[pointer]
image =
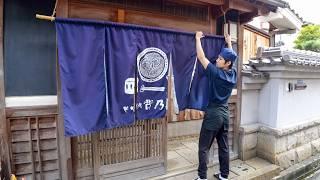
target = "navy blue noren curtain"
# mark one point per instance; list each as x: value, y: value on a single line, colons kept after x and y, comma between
x: 113, y: 74
x: 81, y: 54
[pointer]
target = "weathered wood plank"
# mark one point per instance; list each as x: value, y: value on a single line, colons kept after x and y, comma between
x: 44, y: 122
x: 23, y: 158
x: 19, y: 112
x: 55, y: 174
x: 22, y: 136
x: 46, y: 166
x: 21, y: 147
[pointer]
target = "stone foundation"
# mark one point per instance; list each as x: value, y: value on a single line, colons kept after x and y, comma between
x: 248, y: 141
x: 281, y: 147
x: 185, y: 128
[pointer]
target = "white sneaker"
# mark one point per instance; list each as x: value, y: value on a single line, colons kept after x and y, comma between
x: 198, y: 178
x: 222, y: 178
x: 218, y: 176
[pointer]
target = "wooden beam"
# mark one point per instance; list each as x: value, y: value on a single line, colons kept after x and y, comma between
x: 215, y: 2
x: 201, y: 2
x: 64, y: 143
x: 247, y: 17
x: 106, y: 12
x: 4, y: 140
x: 263, y: 11
x: 193, y: 2
x: 246, y: 7
x: 243, y: 6
x: 256, y: 30
x: 220, y: 10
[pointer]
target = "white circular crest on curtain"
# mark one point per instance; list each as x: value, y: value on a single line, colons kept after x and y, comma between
x: 152, y: 64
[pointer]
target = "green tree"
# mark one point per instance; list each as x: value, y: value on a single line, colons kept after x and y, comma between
x: 309, y: 38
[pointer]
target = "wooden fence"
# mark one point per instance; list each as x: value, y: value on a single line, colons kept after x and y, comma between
x: 109, y: 148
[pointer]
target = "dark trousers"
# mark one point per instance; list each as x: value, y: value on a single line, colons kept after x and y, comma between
x: 205, y: 141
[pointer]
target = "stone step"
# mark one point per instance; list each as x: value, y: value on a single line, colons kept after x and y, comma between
x: 265, y: 173
x: 176, y: 173
x: 253, y: 169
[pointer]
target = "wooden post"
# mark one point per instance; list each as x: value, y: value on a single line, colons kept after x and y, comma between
x: 168, y: 117
x: 239, y: 89
x: 170, y: 113
x: 96, y: 154
x: 64, y: 144
x: 4, y: 141
x: 121, y: 16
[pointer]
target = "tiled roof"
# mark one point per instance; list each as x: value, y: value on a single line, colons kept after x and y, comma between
x: 294, y: 12
x: 277, y: 3
x: 279, y: 55
x: 271, y: 3
x: 248, y: 70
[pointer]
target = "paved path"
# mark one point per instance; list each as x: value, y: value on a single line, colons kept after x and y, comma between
x: 183, y: 162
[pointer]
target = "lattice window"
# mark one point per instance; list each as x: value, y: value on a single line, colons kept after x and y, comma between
x: 188, y: 10
x: 34, y: 146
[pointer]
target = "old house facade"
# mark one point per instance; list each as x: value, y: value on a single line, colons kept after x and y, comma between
x: 32, y: 129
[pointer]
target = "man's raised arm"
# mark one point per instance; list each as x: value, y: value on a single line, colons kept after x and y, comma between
x: 200, y: 54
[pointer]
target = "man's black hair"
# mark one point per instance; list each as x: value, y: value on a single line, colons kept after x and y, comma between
x: 231, y: 64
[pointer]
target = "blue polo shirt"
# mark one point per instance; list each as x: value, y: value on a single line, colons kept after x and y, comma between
x: 221, y: 83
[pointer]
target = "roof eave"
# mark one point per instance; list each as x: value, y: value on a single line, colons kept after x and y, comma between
x: 276, y: 3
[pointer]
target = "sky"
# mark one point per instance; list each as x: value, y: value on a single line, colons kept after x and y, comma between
x: 307, y: 9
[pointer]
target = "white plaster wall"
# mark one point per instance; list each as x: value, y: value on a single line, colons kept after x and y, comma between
x: 249, y: 106
x: 21, y: 101
x: 299, y: 106
x: 275, y: 107
x: 268, y: 103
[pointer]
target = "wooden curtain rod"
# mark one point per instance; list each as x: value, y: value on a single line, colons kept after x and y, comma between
x: 48, y: 18
x: 44, y: 17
